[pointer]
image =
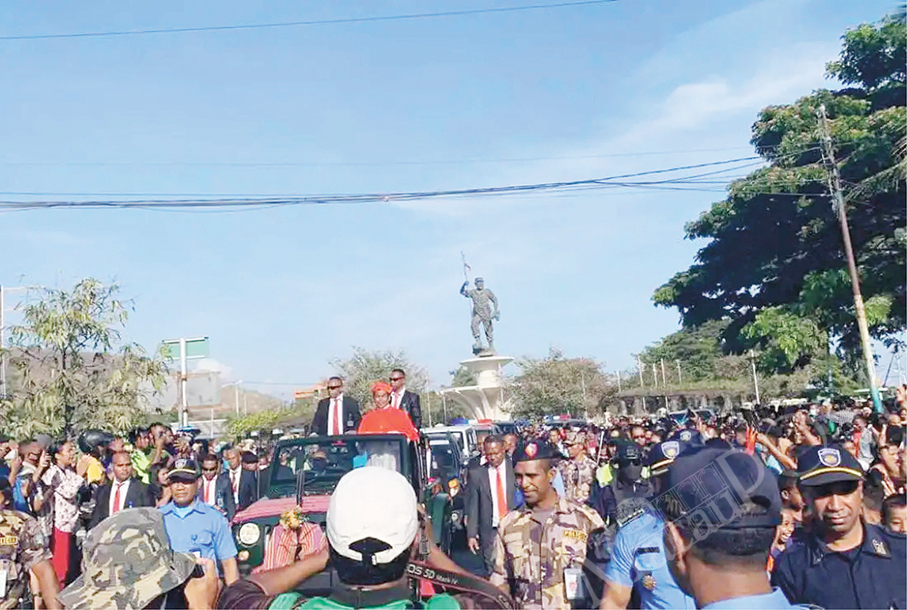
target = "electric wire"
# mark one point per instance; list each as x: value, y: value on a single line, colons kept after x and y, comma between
x: 313, y: 22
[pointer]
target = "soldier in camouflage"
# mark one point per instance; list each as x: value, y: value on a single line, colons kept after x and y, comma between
x: 540, y: 549
x: 127, y: 563
x: 579, y: 471
x: 23, y: 548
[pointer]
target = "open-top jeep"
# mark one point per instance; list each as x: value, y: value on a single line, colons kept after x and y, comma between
x: 305, y: 471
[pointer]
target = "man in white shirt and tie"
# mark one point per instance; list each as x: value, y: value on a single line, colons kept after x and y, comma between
x: 401, y: 398
x: 337, y: 414
x: 125, y: 491
x: 216, y: 488
x: 234, y: 461
x: 489, y: 499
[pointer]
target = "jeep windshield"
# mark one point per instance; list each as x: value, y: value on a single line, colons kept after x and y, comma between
x: 324, y: 460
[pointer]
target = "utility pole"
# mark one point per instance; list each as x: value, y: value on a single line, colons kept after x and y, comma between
x: 679, y: 374
x: 664, y: 379
x: 582, y: 380
x: 654, y: 375
x: 755, y: 379
x: 618, y: 381
x: 834, y: 184
x: 428, y: 400
x: 642, y: 384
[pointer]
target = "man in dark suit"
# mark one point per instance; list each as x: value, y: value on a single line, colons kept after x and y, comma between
x: 337, y: 414
x: 401, y: 398
x: 243, y: 476
x: 214, y: 487
x: 125, y: 491
x: 490, y: 496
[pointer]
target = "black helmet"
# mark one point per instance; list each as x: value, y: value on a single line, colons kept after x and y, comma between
x: 92, y: 439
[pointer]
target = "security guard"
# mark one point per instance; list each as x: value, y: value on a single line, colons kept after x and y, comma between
x: 843, y: 562
x: 722, y: 511
x: 540, y: 548
x: 196, y: 527
x: 23, y: 548
x: 638, y: 564
x: 627, y: 484
x: 579, y: 471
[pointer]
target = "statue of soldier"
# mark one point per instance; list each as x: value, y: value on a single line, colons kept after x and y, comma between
x: 482, y: 312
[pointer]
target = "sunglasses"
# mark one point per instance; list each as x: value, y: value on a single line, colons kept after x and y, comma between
x: 397, y: 378
x: 334, y: 387
x: 209, y: 469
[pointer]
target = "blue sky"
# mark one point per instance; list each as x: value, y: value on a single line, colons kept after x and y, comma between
x: 387, y: 106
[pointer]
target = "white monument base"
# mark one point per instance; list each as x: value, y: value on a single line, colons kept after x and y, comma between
x: 489, y: 398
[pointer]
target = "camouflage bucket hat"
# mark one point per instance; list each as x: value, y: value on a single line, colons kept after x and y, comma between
x: 126, y: 563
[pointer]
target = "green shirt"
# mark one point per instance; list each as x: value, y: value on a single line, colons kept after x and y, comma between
x: 141, y: 463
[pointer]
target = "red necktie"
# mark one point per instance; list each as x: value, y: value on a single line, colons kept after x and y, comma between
x: 116, y: 499
x: 235, y: 477
x: 502, y: 498
x: 337, y: 429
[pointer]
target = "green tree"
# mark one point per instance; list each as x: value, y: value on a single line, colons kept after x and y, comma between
x: 557, y: 384
x: 699, y: 351
x: 462, y: 377
x: 774, y: 260
x: 365, y: 367
x: 73, y: 372
x: 443, y: 409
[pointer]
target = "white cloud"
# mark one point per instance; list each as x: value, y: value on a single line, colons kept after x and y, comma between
x: 213, y: 366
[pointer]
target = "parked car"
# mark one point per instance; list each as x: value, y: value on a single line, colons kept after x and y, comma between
x: 464, y: 434
x: 447, y: 475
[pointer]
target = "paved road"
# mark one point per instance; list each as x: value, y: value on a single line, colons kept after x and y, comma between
x: 465, y: 558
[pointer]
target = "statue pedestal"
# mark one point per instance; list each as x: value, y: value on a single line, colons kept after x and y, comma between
x: 489, y: 398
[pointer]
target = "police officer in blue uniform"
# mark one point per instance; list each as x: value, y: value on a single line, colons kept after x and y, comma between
x: 196, y: 527
x: 638, y: 566
x: 722, y: 509
x: 843, y: 562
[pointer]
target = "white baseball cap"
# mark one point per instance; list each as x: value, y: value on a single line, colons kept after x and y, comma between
x: 372, y: 502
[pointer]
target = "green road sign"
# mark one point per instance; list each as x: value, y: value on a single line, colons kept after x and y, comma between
x: 195, y: 348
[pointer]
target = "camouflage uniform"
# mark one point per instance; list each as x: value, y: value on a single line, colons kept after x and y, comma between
x: 578, y: 474
x: 530, y: 557
x: 127, y: 562
x: 22, y: 546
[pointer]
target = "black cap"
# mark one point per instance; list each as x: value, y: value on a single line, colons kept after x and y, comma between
x: 534, y: 450
x: 249, y: 458
x: 714, y: 488
x: 184, y: 468
x: 823, y: 465
x: 663, y: 454
x: 628, y: 451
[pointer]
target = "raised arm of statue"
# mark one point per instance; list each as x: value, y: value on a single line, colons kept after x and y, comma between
x: 463, y: 290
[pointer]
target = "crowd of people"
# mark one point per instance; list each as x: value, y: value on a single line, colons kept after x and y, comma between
x: 761, y: 508
x: 54, y: 493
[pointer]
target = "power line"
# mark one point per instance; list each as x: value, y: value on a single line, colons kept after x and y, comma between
x: 291, y: 164
x: 211, y: 202
x: 287, y: 24
x: 243, y: 201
